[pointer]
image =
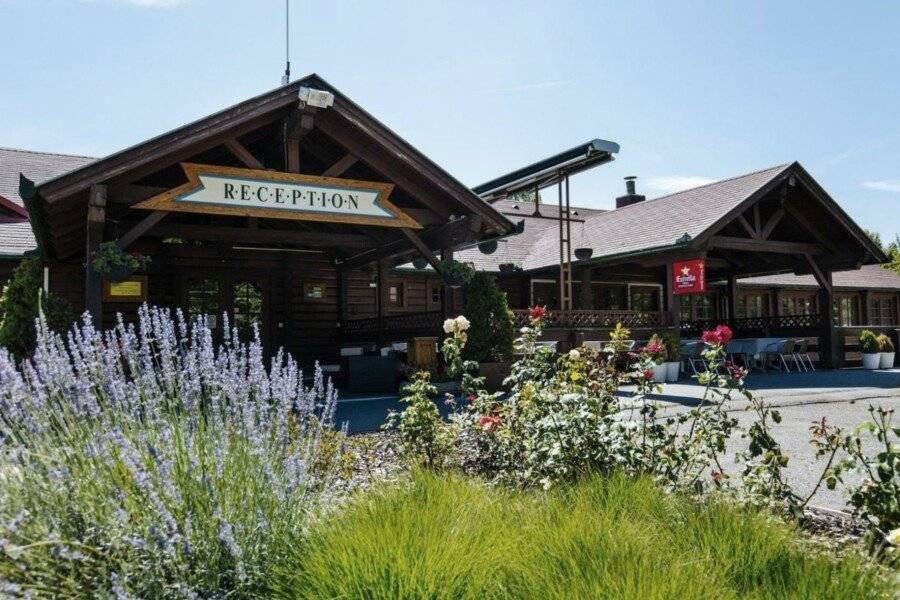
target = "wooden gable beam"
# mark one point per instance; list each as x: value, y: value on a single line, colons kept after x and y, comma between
x: 772, y: 223
x: 454, y: 233
x: 423, y: 249
x: 143, y: 226
x: 738, y: 243
x: 754, y: 234
x: 241, y: 153
x: 341, y: 166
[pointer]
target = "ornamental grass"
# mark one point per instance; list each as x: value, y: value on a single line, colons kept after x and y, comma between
x: 149, y: 462
x: 617, y: 537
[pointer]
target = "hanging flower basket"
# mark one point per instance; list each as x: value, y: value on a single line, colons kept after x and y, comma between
x: 583, y: 253
x: 455, y: 273
x: 488, y: 247
x: 114, y: 264
x: 419, y: 263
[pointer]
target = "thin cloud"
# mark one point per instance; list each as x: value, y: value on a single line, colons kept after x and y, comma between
x: 888, y: 185
x: 669, y: 184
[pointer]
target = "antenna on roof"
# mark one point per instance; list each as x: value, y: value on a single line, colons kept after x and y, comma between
x: 286, y: 78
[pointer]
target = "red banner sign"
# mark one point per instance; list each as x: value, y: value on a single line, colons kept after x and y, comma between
x: 689, y: 276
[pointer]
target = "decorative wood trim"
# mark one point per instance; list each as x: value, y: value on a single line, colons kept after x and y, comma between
x: 168, y: 200
x: 746, y: 224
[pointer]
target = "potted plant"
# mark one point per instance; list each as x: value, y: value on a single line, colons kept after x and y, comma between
x: 456, y: 273
x: 871, y: 352
x: 672, y: 342
x: 488, y: 247
x: 419, y: 263
x: 655, y: 350
x: 114, y: 264
x: 887, y: 351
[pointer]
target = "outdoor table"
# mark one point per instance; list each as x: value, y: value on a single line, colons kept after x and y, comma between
x: 753, y: 348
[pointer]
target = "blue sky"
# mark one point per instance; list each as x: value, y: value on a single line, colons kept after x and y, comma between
x: 693, y: 92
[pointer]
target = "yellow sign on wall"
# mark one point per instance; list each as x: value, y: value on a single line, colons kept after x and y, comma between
x: 133, y: 289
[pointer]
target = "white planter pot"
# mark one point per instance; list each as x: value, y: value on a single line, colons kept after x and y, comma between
x: 871, y: 361
x: 887, y: 360
x: 673, y: 370
x: 659, y: 373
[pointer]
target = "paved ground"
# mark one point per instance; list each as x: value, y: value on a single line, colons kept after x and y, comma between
x: 841, y: 396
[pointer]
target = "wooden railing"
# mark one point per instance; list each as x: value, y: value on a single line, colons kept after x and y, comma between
x: 761, y: 326
x: 594, y: 319
x: 395, y: 326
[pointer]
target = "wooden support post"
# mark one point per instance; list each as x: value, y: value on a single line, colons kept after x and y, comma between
x: 731, y: 294
x: 776, y: 302
x: 446, y: 290
x: 829, y: 341
x: 586, y: 297
x: 864, y: 307
x: 383, y: 299
x: 93, y: 286
x: 673, y: 301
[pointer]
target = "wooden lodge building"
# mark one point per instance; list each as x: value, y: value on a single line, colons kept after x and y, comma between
x: 300, y: 212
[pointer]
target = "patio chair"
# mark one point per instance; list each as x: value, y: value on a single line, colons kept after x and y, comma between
x: 801, y: 353
x: 695, y: 357
x: 779, y: 356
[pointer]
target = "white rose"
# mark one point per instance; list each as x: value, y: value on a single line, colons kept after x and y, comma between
x: 893, y: 538
x: 449, y: 326
x: 574, y: 355
x: 462, y: 323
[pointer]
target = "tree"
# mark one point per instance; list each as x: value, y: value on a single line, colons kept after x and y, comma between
x: 892, y: 250
x: 21, y: 301
x: 491, y: 332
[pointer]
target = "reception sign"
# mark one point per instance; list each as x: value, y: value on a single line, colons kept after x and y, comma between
x: 689, y: 277
x: 274, y: 195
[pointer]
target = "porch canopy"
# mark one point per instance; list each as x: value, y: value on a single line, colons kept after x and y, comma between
x: 777, y: 220
x: 295, y: 135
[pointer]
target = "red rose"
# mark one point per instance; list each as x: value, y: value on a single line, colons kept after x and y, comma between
x: 648, y: 374
x: 537, y: 312
x: 725, y: 334
x: 488, y: 424
x: 471, y: 397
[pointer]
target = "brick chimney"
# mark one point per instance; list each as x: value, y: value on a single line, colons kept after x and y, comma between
x: 631, y: 197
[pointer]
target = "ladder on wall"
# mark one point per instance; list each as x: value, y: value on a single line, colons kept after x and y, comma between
x: 565, y: 248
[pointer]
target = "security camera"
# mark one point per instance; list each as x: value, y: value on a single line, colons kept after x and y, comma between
x: 317, y: 98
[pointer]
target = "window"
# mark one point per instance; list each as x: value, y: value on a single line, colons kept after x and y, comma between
x: 798, y: 304
x: 203, y: 300
x: 753, y: 305
x: 545, y: 293
x: 435, y: 296
x: 882, y: 310
x: 248, y: 306
x: 611, y: 297
x: 845, y: 311
x: 395, y: 294
x: 644, y: 298
x: 698, y: 307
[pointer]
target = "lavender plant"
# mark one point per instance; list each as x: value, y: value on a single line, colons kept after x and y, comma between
x: 145, y: 462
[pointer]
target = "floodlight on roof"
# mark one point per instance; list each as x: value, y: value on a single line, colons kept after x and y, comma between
x: 317, y: 98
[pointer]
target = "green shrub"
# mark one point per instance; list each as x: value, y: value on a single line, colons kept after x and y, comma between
x: 885, y: 344
x: 492, y: 331
x: 21, y: 301
x: 618, y: 537
x: 868, y: 342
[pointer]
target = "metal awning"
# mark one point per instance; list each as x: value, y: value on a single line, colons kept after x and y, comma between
x: 549, y: 170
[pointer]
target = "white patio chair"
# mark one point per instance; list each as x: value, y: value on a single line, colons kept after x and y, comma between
x: 781, y: 354
x: 801, y: 353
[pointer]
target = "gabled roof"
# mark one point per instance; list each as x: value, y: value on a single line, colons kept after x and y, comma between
x: 871, y: 277
x: 655, y: 224
x: 649, y: 226
x: 16, y: 238
x: 174, y: 141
